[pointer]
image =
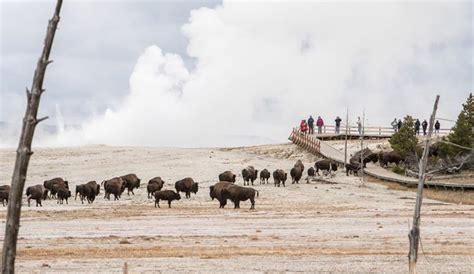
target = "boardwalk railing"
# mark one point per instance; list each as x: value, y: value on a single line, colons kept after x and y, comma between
x: 369, y: 130
x: 306, y: 141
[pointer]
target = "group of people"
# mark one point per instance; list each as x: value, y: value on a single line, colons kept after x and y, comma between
x: 397, y: 125
x: 308, y: 127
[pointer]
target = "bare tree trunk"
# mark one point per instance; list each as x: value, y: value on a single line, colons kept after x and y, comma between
x: 24, y: 152
x: 414, y: 235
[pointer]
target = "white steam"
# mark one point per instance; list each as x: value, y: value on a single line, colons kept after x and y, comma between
x: 262, y: 67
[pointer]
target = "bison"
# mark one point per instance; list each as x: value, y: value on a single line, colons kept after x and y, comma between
x: 237, y: 194
x: 264, y: 176
x: 249, y: 174
x: 49, y: 185
x: 352, y: 168
x: 63, y: 194
x: 279, y: 177
x: 166, y: 195
x: 215, y: 192
x: 155, y: 184
x: 4, y: 192
x: 299, y: 164
x: 115, y: 186
x: 80, y: 191
x: 91, y: 190
x: 186, y: 185
x: 325, y: 164
x: 296, y: 174
x: 389, y: 157
x: 227, y: 176
x: 36, y: 192
x: 131, y: 182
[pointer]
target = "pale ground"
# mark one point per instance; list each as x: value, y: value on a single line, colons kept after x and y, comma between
x: 340, y: 227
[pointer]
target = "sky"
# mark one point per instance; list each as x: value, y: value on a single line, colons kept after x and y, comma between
x: 192, y: 74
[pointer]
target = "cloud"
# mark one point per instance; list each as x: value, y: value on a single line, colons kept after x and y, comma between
x: 261, y: 67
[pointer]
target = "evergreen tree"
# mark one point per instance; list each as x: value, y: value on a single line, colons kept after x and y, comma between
x: 404, y: 141
x: 463, y: 131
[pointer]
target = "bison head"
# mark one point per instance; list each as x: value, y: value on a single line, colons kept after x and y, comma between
x: 195, y: 188
x: 211, y: 192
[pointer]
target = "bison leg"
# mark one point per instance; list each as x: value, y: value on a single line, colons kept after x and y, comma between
x: 28, y: 201
x: 157, y: 203
x: 252, y: 200
x: 169, y: 203
x: 188, y: 194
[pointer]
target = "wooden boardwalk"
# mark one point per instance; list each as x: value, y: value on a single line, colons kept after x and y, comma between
x: 319, y: 147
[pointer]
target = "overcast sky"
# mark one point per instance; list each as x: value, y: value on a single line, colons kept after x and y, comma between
x: 237, y: 73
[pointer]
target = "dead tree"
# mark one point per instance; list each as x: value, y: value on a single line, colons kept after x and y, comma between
x: 414, y: 235
x: 23, y: 153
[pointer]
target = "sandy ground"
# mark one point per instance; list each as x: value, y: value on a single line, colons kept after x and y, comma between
x: 337, y: 227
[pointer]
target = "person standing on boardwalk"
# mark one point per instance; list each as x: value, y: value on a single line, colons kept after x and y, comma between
x: 338, y: 124
x: 417, y: 127
x: 320, y: 124
x: 303, y: 126
x: 437, y: 126
x: 359, y: 125
x: 399, y: 124
x: 394, y: 124
x: 425, y: 126
x: 311, y: 124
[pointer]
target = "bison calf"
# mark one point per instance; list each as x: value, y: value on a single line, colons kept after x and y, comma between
x: 63, y: 194
x: 166, y: 195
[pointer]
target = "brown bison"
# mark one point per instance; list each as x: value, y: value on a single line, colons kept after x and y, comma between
x: 299, y: 164
x: 296, y: 173
x: 131, y: 182
x: 4, y: 192
x: 249, y: 174
x: 115, y: 186
x: 389, y: 157
x: 155, y: 184
x: 237, y: 194
x: 367, y: 156
x: 36, y: 192
x: 186, y: 185
x: 279, y: 176
x: 91, y: 190
x: 88, y: 191
x: 325, y: 164
x: 53, y: 185
x: 352, y: 168
x: 166, y: 195
x: 215, y: 191
x: 264, y: 176
x: 80, y: 192
x: 63, y: 194
x: 227, y: 176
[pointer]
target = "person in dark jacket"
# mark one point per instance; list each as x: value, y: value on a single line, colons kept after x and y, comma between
x: 399, y: 124
x: 311, y: 124
x: 338, y: 124
x: 425, y: 126
x: 320, y: 124
x: 437, y: 126
x: 417, y: 127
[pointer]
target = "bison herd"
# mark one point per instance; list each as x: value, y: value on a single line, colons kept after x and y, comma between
x: 225, y: 189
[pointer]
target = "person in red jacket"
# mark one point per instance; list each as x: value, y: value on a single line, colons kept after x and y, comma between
x: 320, y: 124
x: 303, y: 126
